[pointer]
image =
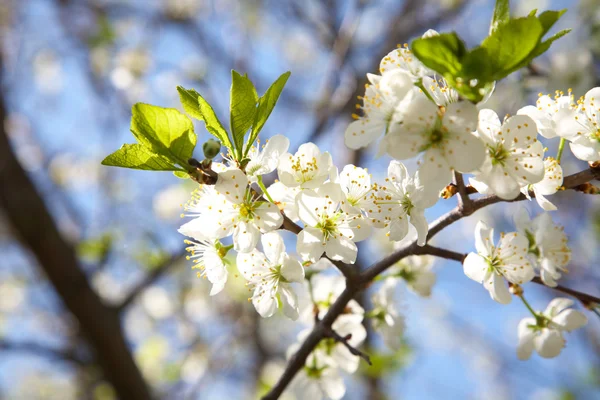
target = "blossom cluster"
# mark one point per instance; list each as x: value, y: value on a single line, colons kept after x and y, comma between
x: 412, y: 113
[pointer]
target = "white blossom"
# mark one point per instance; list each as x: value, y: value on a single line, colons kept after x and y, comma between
x: 553, y: 180
x: 402, y: 198
x: 382, y: 97
x: 270, y: 273
x: 544, y: 333
x: 513, y: 156
x: 267, y: 160
x: 317, y: 380
x: 548, y: 112
x: 386, y: 318
x: 440, y: 91
x: 308, y: 168
x: 581, y: 127
x: 229, y: 208
x: 285, y: 198
x: 327, y: 228
x: 444, y: 136
x: 208, y: 257
x: 548, y: 247
x: 356, y: 187
x: 491, y: 264
x: 416, y: 272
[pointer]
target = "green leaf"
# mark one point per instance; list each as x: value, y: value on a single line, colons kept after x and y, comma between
x: 189, y: 101
x: 136, y: 156
x: 266, y: 104
x: 181, y: 174
x: 442, y: 53
x: 242, y: 106
x: 166, y: 131
x: 213, y: 125
x: 549, y: 18
x: 194, y: 104
x: 510, y: 44
x: 501, y: 14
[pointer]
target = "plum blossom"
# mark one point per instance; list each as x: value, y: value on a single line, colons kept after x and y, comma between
x: 493, y: 263
x: 209, y: 257
x: 266, y: 161
x: 548, y: 247
x: 548, y: 112
x: 270, y: 272
x: 416, y: 272
x: 308, y: 168
x: 513, y: 155
x: 581, y: 127
x: 229, y: 208
x: 544, y: 332
x: 386, y: 318
x: 402, y: 198
x: 443, y: 134
x: 553, y: 180
x: 327, y: 228
x: 382, y: 97
x: 317, y: 380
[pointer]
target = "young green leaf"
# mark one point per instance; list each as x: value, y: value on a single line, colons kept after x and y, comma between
x: 549, y: 18
x: 181, y: 174
x: 266, y: 104
x: 213, y: 125
x: 501, y: 14
x: 165, y: 131
x: 242, y: 107
x: 189, y: 101
x: 510, y: 44
x: 136, y: 156
x: 442, y: 53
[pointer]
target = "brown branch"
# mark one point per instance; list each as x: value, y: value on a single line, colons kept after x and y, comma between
x: 464, y: 201
x: 330, y: 333
x: 34, y: 226
x: 360, y: 281
x: 157, y: 273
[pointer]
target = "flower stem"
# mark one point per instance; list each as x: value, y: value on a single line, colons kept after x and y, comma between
x: 561, y: 147
x: 420, y: 85
x: 264, y: 189
x: 528, y: 306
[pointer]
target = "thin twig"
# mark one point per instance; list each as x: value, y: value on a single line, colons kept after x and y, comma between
x: 330, y: 333
x: 464, y: 201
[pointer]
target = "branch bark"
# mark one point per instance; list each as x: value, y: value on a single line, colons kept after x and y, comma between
x: 33, y: 224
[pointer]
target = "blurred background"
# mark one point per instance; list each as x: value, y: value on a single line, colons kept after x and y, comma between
x: 97, y: 300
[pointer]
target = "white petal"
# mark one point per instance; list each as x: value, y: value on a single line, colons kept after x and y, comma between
x: 290, y: 302
x: 310, y: 206
x: 558, y: 305
x: 549, y: 343
x: 497, y: 287
x: 245, y: 237
x: 273, y: 247
x: 249, y: 263
x: 417, y: 219
x: 232, y: 184
x: 333, y: 384
x: 364, y: 131
x: 475, y: 267
x: 267, y: 216
x: 399, y: 228
x: 310, y: 244
x: 341, y: 249
x: 292, y: 270
x: 526, y: 337
x: 265, y: 304
x: 570, y: 320
x: 484, y: 238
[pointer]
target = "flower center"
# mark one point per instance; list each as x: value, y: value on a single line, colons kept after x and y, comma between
x: 328, y: 226
x: 498, y: 154
x: 533, y: 248
x: 305, y: 171
x: 407, y: 205
x: 247, y: 210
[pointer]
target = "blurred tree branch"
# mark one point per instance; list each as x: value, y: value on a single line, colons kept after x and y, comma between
x: 37, y: 231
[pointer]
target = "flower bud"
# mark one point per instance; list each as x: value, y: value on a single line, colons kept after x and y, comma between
x: 211, y: 148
